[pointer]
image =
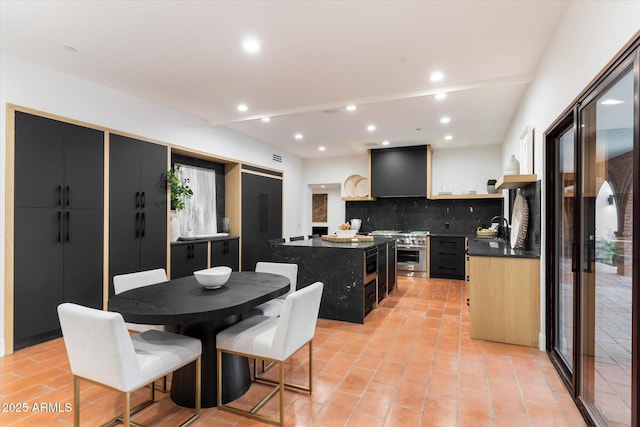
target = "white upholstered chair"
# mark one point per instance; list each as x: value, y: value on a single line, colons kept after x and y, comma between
x: 273, y: 339
x: 101, y: 351
x: 273, y: 308
x: 126, y: 282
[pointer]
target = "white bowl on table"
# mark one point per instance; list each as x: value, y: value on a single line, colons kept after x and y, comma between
x: 213, y: 278
x: 346, y: 233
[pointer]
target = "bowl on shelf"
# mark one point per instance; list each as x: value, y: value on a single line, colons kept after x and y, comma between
x: 213, y: 278
x: 346, y: 233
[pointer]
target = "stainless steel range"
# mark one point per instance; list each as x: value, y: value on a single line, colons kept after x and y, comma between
x: 411, y: 247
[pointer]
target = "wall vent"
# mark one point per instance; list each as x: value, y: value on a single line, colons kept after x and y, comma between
x: 277, y: 158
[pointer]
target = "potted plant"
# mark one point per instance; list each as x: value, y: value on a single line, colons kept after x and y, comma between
x: 491, y: 186
x: 179, y: 192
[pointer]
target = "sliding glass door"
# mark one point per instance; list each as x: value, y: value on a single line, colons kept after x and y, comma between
x: 606, y: 242
x: 592, y: 282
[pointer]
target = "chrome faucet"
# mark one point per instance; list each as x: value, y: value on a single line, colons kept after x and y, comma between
x: 503, y: 231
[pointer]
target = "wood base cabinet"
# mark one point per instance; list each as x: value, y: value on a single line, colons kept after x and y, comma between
x: 504, y: 296
x: 58, y: 223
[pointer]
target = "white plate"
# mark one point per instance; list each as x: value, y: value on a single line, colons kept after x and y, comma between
x: 362, y: 187
x: 350, y: 184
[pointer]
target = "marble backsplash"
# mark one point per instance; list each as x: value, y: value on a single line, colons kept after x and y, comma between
x: 460, y: 216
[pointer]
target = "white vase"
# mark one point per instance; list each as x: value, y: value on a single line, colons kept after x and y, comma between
x: 174, y: 225
x: 512, y: 167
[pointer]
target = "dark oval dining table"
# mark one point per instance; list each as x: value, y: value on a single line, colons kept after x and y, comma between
x: 202, y: 313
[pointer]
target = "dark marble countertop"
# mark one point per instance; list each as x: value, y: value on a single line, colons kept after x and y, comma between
x: 185, y: 241
x: 494, y: 247
x: 317, y: 242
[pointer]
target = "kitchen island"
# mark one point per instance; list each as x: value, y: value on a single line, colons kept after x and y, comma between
x: 348, y: 270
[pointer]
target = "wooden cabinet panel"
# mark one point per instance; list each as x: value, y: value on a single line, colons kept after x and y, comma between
x: 225, y: 253
x: 447, y: 257
x: 505, y: 299
x: 58, y: 223
x: 187, y: 258
x: 138, y: 206
x: 261, y: 217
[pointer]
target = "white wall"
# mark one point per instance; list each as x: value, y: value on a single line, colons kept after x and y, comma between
x: 335, y: 207
x: 464, y: 169
x: 31, y: 85
x: 590, y: 34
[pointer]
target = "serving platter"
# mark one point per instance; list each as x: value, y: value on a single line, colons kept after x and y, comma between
x: 519, y: 221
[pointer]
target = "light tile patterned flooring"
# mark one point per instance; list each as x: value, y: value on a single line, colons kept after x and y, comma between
x: 411, y: 364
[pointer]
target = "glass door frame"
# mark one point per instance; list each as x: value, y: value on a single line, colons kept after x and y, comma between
x: 571, y: 117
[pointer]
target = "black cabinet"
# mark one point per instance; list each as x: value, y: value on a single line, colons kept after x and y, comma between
x: 447, y: 257
x: 392, y: 271
x: 187, y: 258
x: 399, y: 172
x: 261, y: 217
x: 226, y: 252
x: 59, y: 173
x: 382, y: 271
x: 137, y: 206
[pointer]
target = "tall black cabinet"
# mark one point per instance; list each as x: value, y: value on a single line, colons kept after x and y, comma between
x: 59, y: 170
x: 261, y: 216
x: 137, y: 206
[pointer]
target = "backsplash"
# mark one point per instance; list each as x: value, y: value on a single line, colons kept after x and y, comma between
x: 460, y: 216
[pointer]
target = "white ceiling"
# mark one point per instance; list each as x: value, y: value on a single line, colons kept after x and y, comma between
x: 316, y: 57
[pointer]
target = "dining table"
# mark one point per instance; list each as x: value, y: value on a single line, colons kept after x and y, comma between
x: 201, y: 313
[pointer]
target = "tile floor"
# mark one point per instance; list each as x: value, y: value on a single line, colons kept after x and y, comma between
x: 411, y: 364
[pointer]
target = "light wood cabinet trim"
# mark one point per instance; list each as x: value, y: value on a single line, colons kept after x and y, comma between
x: 105, y: 229
x: 466, y: 196
x: 505, y: 299
x: 9, y: 237
x: 429, y: 171
x: 507, y: 182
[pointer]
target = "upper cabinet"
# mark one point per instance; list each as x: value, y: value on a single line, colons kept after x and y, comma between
x: 399, y: 172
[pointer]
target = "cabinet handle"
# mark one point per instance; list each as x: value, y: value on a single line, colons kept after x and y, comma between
x: 137, y: 224
x: 137, y: 199
x: 59, y: 226
x: 59, y: 195
x: 67, y: 225
x: 143, y: 225
x: 142, y: 200
x: 68, y: 198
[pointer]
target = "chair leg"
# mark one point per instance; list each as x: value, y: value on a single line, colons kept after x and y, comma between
x: 310, y: 366
x: 281, y: 393
x: 126, y: 415
x: 76, y: 401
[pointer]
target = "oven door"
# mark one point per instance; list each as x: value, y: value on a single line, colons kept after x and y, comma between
x: 412, y: 258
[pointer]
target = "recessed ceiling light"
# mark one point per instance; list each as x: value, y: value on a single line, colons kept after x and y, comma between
x: 351, y: 108
x: 448, y: 137
x: 440, y: 96
x: 251, y: 45
x: 242, y: 108
x: 611, y: 102
x: 445, y: 120
x: 385, y: 142
x: 266, y: 119
x: 298, y: 136
x: 371, y: 128
x: 321, y: 148
x: 436, y: 76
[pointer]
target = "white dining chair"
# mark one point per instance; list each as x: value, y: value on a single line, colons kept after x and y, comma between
x: 139, y: 279
x: 101, y: 351
x: 273, y: 339
x: 273, y: 307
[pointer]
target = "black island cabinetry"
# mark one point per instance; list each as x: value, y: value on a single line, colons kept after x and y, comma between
x: 350, y: 273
